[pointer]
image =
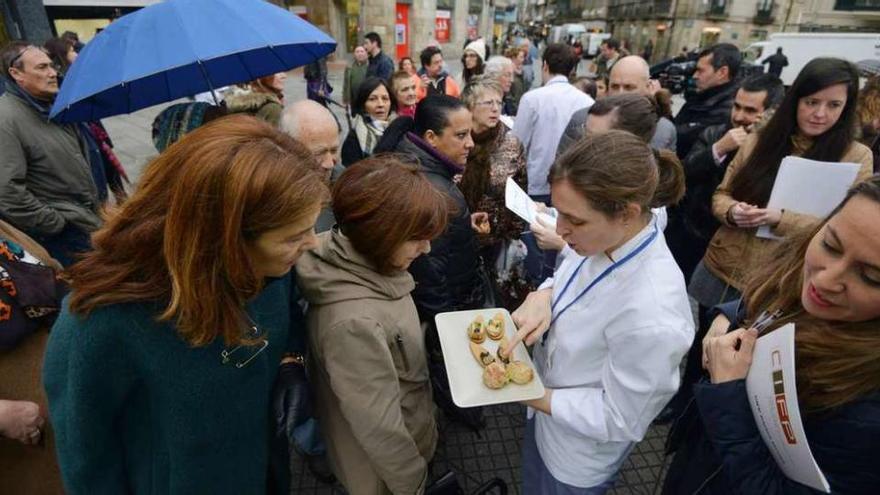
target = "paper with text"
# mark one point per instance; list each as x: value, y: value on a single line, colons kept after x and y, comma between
x: 517, y: 201
x: 810, y: 187
x: 773, y: 398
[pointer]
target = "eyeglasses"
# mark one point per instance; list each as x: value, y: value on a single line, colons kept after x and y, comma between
x: 490, y: 103
x: 249, y: 351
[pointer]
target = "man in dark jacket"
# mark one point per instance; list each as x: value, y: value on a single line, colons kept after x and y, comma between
x: 716, y: 71
x: 691, y: 222
x: 381, y: 65
x: 48, y: 186
x: 777, y: 62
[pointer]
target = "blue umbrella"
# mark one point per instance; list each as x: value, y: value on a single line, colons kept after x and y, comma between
x: 179, y: 48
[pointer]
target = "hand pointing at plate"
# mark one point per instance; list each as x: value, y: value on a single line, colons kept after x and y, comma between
x: 532, y: 319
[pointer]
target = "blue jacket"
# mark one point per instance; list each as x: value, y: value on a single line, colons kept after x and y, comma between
x: 723, y: 453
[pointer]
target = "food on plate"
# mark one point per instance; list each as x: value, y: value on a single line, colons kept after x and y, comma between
x: 502, y: 358
x: 495, y: 327
x: 519, y: 372
x: 477, y: 330
x: 495, y: 375
x: 482, y: 356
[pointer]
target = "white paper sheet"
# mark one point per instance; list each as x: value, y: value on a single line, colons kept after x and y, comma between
x: 773, y: 397
x: 809, y: 186
x: 517, y: 201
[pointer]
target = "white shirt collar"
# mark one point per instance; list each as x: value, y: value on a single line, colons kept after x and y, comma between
x: 556, y: 79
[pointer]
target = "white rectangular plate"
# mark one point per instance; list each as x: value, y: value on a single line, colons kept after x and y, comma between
x: 466, y: 375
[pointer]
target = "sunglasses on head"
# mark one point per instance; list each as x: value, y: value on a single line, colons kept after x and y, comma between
x: 17, y: 57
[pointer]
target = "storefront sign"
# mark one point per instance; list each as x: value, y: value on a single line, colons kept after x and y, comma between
x: 441, y: 26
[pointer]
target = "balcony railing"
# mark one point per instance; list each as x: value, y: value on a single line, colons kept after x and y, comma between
x: 766, y: 13
x: 716, y: 10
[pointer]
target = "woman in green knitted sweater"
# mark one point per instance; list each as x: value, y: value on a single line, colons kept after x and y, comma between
x: 160, y: 367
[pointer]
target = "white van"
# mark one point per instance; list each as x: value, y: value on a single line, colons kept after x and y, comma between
x: 800, y: 48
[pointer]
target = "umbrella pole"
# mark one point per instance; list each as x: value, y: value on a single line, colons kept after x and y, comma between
x: 210, y: 86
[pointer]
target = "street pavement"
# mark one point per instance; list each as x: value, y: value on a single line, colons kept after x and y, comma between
x: 475, y: 457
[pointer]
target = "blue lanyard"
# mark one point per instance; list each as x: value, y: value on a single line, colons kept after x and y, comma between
x: 641, y: 247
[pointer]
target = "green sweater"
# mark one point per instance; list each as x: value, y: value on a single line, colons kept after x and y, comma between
x: 351, y: 81
x: 136, y: 410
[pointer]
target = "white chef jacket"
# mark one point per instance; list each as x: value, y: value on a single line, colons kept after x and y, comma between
x: 612, y: 358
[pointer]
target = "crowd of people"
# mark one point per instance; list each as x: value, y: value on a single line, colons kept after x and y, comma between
x: 272, y: 280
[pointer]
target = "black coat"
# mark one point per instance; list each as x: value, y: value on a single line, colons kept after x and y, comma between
x: 447, y: 278
x: 777, y: 62
x: 710, y: 107
x: 720, y: 450
x: 691, y: 222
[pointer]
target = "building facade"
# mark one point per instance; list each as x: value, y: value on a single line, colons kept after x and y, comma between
x: 406, y: 26
x: 673, y: 25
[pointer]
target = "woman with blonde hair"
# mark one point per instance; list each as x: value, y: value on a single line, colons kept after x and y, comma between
x: 826, y: 280
x: 159, y: 369
x: 368, y: 359
x: 497, y: 156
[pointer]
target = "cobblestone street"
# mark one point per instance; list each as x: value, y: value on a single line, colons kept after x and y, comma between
x: 495, y: 453
x: 475, y: 458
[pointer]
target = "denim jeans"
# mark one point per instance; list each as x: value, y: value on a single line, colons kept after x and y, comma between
x: 65, y: 245
x: 539, y: 264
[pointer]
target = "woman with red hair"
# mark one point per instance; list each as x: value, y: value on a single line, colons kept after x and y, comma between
x: 159, y: 369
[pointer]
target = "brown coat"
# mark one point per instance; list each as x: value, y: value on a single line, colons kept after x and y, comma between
x: 734, y: 251
x: 368, y: 366
x: 27, y: 469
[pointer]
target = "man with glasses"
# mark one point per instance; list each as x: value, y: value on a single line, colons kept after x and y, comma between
x: 48, y: 189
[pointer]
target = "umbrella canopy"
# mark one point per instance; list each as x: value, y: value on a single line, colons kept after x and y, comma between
x: 179, y: 48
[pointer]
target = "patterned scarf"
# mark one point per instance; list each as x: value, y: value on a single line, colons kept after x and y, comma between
x: 368, y: 132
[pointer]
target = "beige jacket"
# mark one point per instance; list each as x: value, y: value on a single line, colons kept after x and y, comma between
x: 368, y: 366
x: 734, y: 251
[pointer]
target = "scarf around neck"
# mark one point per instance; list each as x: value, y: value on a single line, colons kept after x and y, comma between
x: 368, y: 132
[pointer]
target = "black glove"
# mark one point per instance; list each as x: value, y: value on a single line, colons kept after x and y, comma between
x: 291, y: 399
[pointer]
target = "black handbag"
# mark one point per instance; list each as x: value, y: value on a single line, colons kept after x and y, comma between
x: 291, y: 407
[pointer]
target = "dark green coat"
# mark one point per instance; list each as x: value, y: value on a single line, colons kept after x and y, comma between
x: 352, y: 79
x: 136, y: 410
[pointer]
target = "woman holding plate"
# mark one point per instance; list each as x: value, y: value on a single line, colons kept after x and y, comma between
x: 613, y: 324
